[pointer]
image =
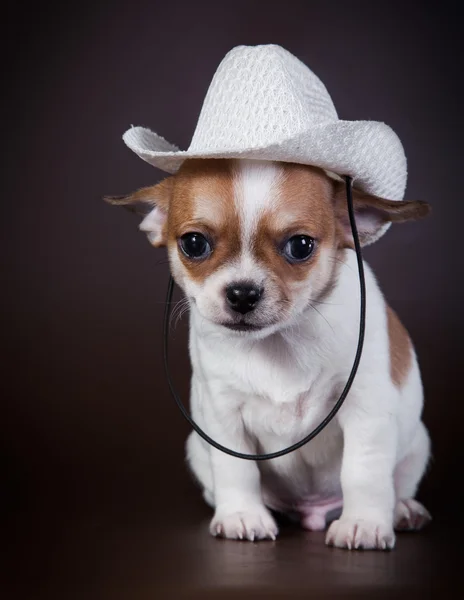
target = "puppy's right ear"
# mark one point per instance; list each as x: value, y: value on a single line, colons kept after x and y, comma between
x: 152, y: 203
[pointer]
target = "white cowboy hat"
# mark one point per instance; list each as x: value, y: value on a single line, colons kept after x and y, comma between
x: 264, y: 103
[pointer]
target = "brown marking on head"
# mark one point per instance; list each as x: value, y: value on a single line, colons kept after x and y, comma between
x: 303, y: 206
x: 203, y: 201
x: 400, y: 348
x: 248, y: 211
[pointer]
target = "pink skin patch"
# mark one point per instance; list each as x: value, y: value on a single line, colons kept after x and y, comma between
x: 314, y: 511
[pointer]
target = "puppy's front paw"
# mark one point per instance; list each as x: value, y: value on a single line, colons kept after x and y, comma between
x: 357, y: 534
x: 255, y: 523
x: 410, y: 515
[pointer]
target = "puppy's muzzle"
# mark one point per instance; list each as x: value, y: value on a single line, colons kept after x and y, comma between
x: 243, y: 297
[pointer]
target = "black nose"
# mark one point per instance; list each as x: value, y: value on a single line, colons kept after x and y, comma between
x: 243, y: 297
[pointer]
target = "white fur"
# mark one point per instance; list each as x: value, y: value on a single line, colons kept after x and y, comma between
x: 256, y: 189
x: 259, y: 392
x: 153, y: 224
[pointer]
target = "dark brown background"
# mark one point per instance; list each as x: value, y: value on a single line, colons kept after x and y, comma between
x: 97, y: 499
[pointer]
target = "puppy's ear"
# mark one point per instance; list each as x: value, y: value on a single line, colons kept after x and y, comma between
x: 373, y: 215
x: 152, y: 204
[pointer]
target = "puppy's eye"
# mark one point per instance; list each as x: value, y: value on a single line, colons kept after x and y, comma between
x: 298, y: 248
x: 195, y: 245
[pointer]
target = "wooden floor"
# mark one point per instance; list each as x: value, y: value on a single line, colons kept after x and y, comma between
x: 128, y: 550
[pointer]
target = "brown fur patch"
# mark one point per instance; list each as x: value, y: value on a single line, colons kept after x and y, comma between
x: 304, y: 207
x: 400, y: 348
x: 203, y: 202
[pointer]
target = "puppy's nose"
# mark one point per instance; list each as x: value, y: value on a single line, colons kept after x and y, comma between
x: 243, y: 297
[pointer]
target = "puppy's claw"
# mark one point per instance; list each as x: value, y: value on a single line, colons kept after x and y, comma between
x: 410, y: 515
x: 359, y: 534
x: 253, y: 525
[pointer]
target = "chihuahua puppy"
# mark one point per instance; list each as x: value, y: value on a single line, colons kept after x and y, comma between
x: 264, y: 254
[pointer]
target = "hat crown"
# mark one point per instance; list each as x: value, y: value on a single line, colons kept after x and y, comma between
x: 259, y: 94
x: 265, y: 104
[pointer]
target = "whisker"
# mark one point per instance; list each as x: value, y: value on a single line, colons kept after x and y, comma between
x: 339, y: 260
x: 179, y: 309
x: 321, y: 302
x: 182, y: 311
x: 319, y: 313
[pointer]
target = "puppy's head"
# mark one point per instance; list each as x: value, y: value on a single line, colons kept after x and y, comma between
x: 253, y: 243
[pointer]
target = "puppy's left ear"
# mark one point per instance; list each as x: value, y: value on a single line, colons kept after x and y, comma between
x: 373, y: 215
x: 152, y: 203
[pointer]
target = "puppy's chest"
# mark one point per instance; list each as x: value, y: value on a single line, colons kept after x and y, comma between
x: 281, y: 389
x: 262, y: 416
x: 276, y: 375
x: 281, y: 403
x: 286, y: 418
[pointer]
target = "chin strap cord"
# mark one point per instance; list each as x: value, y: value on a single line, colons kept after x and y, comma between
x: 337, y: 406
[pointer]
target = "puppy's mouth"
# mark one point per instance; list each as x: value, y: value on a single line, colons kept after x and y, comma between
x: 242, y: 326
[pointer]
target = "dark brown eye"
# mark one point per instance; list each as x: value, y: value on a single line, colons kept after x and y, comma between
x: 298, y: 248
x: 195, y: 245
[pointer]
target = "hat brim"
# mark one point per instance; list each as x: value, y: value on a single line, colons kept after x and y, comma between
x: 369, y: 151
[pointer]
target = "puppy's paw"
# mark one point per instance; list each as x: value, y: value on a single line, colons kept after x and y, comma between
x: 255, y: 523
x: 359, y: 534
x: 410, y: 515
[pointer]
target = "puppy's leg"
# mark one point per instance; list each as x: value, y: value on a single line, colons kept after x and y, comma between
x: 410, y: 514
x: 370, y: 441
x: 199, y: 461
x: 232, y: 485
x: 240, y: 511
